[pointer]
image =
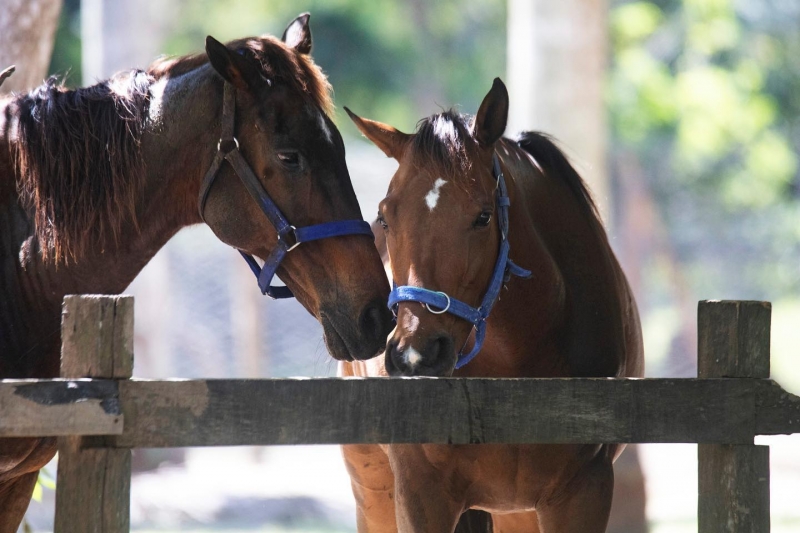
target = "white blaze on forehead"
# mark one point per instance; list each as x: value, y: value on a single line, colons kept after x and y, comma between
x: 432, y: 198
x: 412, y: 357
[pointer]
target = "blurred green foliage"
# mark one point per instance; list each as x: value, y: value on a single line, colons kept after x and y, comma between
x: 394, y: 61
x: 66, y: 60
x: 705, y: 93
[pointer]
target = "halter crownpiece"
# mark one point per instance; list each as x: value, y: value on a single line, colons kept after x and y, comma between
x: 439, y: 302
x: 289, y: 237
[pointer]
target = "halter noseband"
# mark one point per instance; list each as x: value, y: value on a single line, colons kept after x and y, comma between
x: 289, y: 237
x: 438, y: 302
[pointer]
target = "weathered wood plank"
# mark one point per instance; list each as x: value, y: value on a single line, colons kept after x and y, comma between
x: 53, y: 408
x: 777, y: 411
x: 376, y: 410
x: 733, y: 480
x: 35, y: 408
x: 97, y: 336
x: 93, y: 485
x: 733, y: 337
x: 733, y: 488
x: 92, y: 489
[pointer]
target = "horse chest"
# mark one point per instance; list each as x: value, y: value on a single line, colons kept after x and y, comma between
x: 493, y: 477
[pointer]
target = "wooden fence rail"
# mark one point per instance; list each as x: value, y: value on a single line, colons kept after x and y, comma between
x: 100, y: 413
x: 230, y: 412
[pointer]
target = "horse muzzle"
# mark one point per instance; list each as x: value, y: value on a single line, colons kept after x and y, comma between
x: 436, y: 358
x: 364, y: 338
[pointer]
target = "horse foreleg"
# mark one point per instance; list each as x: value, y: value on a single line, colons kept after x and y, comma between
x: 373, y: 487
x: 20, y: 461
x: 583, y: 506
x: 424, y: 499
x: 15, y: 495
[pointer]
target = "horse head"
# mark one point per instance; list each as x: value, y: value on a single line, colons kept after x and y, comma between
x: 441, y: 216
x: 289, y: 154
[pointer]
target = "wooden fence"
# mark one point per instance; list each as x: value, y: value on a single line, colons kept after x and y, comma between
x: 100, y: 413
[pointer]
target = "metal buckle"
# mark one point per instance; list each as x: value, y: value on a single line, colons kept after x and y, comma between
x: 428, y: 307
x: 290, y: 230
x: 235, y: 142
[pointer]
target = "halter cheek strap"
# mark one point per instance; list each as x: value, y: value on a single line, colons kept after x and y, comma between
x: 289, y: 237
x: 439, y: 302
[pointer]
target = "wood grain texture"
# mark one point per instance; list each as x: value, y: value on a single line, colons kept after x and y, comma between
x: 92, y: 489
x: 408, y: 410
x: 777, y: 411
x: 733, y: 488
x: 733, y: 480
x: 93, y: 485
x: 52, y: 408
x: 733, y: 339
x: 97, y: 336
x: 92, y: 407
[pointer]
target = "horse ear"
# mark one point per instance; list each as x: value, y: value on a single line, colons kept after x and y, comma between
x: 385, y: 137
x: 235, y: 68
x: 490, y: 122
x: 297, y: 34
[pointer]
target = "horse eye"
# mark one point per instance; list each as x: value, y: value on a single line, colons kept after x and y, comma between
x: 483, y: 219
x: 382, y: 222
x: 290, y: 159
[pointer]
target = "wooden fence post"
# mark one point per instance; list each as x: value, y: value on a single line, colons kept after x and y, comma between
x: 93, y: 484
x: 733, y: 480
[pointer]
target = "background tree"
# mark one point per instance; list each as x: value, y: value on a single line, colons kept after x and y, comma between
x: 27, y: 31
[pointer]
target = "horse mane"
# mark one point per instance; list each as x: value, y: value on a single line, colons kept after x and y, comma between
x: 78, y: 162
x: 555, y: 163
x: 77, y: 152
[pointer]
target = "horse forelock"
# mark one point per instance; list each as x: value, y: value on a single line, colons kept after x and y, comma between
x: 278, y: 63
x: 443, y: 141
x: 79, y: 167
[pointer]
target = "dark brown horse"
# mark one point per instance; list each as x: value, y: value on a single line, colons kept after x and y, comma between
x: 94, y: 181
x: 445, y: 235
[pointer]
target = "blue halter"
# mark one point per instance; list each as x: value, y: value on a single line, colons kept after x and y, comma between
x: 289, y: 237
x: 439, y: 302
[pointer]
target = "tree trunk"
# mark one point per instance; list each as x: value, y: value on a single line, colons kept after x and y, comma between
x: 556, y: 75
x: 557, y: 58
x: 123, y: 34
x: 27, y: 32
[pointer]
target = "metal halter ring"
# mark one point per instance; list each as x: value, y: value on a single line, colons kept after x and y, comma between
x: 235, y: 140
x: 441, y: 311
x: 293, y: 231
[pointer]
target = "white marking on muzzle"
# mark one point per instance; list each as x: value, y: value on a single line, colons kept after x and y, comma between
x: 412, y: 357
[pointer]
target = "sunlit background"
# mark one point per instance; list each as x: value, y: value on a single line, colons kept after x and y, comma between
x: 683, y: 115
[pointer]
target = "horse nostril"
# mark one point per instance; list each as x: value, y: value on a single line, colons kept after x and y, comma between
x: 393, y: 359
x: 440, y: 349
x: 376, y: 322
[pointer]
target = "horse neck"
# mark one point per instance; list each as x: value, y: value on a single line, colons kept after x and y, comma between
x: 516, y: 326
x: 176, y: 151
x: 576, y: 316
